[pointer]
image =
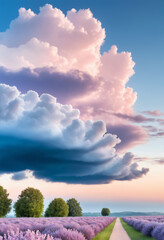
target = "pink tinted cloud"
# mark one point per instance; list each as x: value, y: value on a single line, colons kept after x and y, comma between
x: 136, y: 118
x: 130, y: 135
x: 112, y: 94
x: 71, y: 41
x: 70, y: 44
x: 155, y: 113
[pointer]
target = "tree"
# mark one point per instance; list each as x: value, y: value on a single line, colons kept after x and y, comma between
x: 57, y: 208
x: 5, y: 202
x: 74, y: 207
x: 105, y: 212
x: 30, y: 203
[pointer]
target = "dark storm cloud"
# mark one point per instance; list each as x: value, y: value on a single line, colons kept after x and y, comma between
x: 63, y: 165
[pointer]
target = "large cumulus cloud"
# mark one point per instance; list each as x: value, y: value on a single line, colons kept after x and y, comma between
x: 52, y: 39
x: 48, y: 138
x: 61, y: 54
x: 64, y: 59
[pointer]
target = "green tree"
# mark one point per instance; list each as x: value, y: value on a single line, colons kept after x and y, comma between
x: 5, y: 202
x: 74, y: 207
x: 105, y: 212
x: 57, y: 208
x: 30, y: 203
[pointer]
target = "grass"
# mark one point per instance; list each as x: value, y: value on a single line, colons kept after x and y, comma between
x: 134, y: 234
x: 105, y: 234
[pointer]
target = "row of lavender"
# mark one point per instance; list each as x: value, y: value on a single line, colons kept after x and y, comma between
x: 150, y: 226
x: 77, y: 228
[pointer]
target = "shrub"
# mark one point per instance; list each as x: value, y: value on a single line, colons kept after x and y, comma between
x: 5, y: 202
x: 29, y: 204
x: 148, y: 228
x: 105, y: 212
x: 57, y: 208
x: 74, y: 208
x: 65, y: 234
x: 27, y: 235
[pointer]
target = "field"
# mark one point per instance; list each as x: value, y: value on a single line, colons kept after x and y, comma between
x: 149, y: 226
x: 76, y: 228
x: 80, y: 228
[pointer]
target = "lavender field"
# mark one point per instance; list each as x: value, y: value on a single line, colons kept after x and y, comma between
x: 149, y: 226
x: 76, y: 228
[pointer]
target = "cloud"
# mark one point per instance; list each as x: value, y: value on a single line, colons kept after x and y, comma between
x: 65, y: 60
x: 33, y: 54
x: 159, y: 161
x: 153, y: 160
x: 78, y: 84
x: 130, y: 135
x: 155, y: 113
x: 136, y: 118
x: 65, y: 86
x: 159, y: 133
x: 154, y: 131
x: 112, y: 95
x: 161, y: 121
x: 151, y: 129
x: 41, y: 135
x: 69, y: 42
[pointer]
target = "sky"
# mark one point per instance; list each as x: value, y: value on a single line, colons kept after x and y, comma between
x: 81, y: 101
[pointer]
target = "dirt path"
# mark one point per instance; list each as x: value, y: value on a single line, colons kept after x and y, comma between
x: 118, y: 232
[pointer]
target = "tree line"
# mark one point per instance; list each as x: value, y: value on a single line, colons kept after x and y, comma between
x: 30, y: 203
